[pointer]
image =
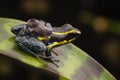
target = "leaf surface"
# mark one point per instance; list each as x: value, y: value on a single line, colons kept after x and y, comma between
x: 74, y: 63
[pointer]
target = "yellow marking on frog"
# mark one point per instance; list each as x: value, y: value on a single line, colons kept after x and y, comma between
x: 43, y: 38
x: 60, y: 33
x: 56, y: 44
x: 60, y: 43
x: 71, y: 40
x: 67, y: 32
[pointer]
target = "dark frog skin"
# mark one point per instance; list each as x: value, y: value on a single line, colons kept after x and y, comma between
x: 38, y: 38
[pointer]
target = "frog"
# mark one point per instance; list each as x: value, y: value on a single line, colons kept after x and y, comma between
x: 38, y: 38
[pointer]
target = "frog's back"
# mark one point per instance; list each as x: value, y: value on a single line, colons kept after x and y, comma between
x: 64, y: 28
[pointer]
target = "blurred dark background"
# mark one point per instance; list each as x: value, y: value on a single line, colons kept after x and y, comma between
x: 98, y: 20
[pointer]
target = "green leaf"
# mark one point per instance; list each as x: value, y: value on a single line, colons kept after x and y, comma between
x: 74, y: 63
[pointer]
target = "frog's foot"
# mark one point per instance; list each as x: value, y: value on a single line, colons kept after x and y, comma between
x: 55, y: 53
x: 50, y: 59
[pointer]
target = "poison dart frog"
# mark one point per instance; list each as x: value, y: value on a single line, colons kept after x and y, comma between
x: 38, y: 37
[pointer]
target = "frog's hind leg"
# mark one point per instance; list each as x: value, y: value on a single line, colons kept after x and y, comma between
x: 24, y: 44
x: 32, y: 46
x: 26, y: 49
